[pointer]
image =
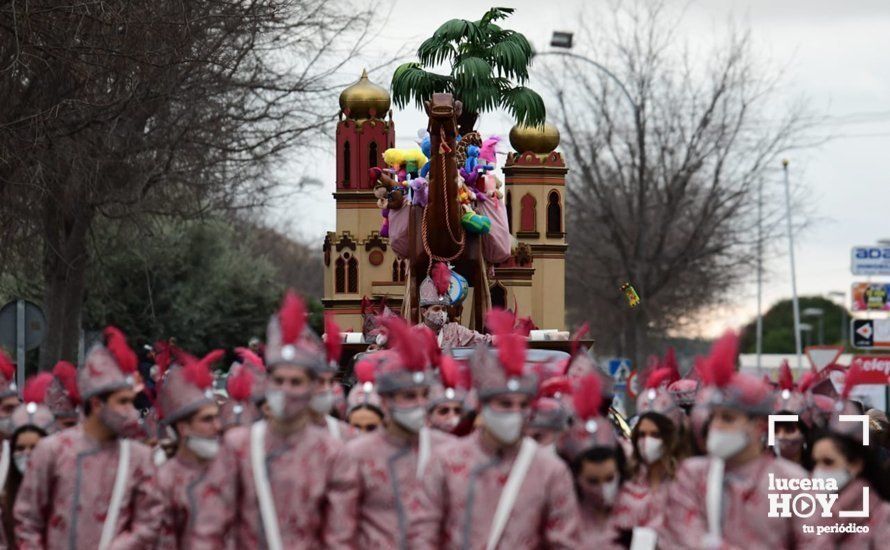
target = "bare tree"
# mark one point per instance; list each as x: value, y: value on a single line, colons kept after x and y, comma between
x: 666, y: 158
x: 115, y: 108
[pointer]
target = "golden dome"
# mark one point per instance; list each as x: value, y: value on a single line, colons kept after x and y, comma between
x: 538, y: 140
x: 363, y: 96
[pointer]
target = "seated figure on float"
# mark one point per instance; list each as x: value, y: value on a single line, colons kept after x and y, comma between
x: 435, y: 301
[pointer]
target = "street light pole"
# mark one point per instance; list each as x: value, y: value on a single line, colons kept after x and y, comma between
x: 795, y: 303
x: 759, y: 278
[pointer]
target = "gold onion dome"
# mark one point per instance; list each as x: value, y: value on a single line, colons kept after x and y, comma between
x: 358, y: 100
x: 541, y: 140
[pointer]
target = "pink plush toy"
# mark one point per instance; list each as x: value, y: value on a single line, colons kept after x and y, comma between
x: 488, y: 151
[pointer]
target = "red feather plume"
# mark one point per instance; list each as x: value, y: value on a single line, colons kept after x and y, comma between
x: 429, y: 344
x: 720, y: 364
x: 365, y: 371
x: 240, y: 384
x: 856, y: 375
x: 661, y: 377
x: 525, y: 325
x: 587, y: 397
x: 807, y: 381
x: 670, y: 361
x: 449, y: 371
x: 35, y: 387
x: 163, y: 355
x: 197, y: 371
x: 555, y: 385
x: 441, y: 277
x: 786, y: 379
x: 67, y: 375
x: 7, y: 367
x: 292, y: 318
x: 578, y: 336
x: 248, y: 356
x: 511, y: 346
x: 402, y: 341
x: 117, y: 345
x: 332, y: 341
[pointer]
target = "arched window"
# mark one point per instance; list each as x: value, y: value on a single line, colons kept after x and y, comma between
x: 347, y: 164
x: 372, y: 155
x: 510, y: 211
x: 352, y: 274
x: 403, y: 269
x: 395, y: 270
x: 498, y: 296
x: 554, y: 215
x: 340, y: 276
x: 528, y: 222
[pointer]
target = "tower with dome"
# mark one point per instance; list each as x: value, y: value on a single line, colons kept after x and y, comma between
x: 359, y: 263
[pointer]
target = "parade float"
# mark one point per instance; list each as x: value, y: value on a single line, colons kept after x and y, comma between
x: 398, y: 209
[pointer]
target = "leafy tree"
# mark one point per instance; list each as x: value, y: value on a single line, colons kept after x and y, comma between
x: 778, y: 326
x: 488, y: 67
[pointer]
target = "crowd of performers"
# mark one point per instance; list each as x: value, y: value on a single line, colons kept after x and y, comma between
x: 424, y: 451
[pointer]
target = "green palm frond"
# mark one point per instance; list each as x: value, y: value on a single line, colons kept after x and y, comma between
x: 511, y: 56
x: 525, y: 105
x: 410, y: 82
x: 480, y: 97
x: 470, y: 71
x: 454, y: 30
x: 495, y: 14
x: 434, y: 51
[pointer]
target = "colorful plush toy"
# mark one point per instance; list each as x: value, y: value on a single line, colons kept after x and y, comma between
x: 420, y: 191
x: 490, y: 186
x: 472, y: 159
x: 398, y: 160
x: 423, y: 139
x: 384, y: 227
x: 488, y: 151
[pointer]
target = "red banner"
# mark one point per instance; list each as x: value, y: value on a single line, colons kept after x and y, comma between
x: 872, y: 363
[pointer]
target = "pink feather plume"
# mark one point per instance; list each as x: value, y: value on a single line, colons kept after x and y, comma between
x: 587, y: 397
x: 720, y: 364
x: 670, y: 362
x: 441, y: 277
x: 332, y: 341
x: 511, y: 345
x: 556, y: 385
x: 365, y: 371
x: 449, y: 371
x: 786, y: 379
x: 239, y: 385
x: 661, y: 377
x: 67, y: 375
x: 292, y: 317
x: 577, y: 337
x: 117, y: 345
x: 401, y: 339
x: 7, y: 367
x: 248, y: 356
x: 856, y: 376
x: 35, y: 387
x: 197, y: 371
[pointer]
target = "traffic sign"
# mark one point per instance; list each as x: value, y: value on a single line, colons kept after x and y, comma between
x: 619, y: 369
x: 870, y: 260
x: 870, y: 333
x: 35, y: 325
x: 822, y: 356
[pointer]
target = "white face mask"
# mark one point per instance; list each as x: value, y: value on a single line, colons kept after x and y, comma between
x: 380, y: 339
x: 204, y: 447
x: 651, y: 449
x: 610, y: 491
x: 726, y: 443
x: 436, y: 318
x: 21, y: 462
x: 159, y: 457
x: 506, y: 427
x: 410, y: 418
x: 287, y: 405
x: 6, y: 425
x: 840, y: 475
x: 322, y: 403
x: 550, y: 448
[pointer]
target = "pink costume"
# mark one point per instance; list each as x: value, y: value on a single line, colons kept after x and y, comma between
x: 638, y: 505
x: 878, y: 521
x: 597, y: 530
x: 745, y: 522
x: 455, y: 335
x: 460, y: 492
x: 387, y: 481
x: 64, y: 498
x: 179, y: 485
x: 302, y: 469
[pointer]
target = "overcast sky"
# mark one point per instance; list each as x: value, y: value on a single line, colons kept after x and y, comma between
x: 834, y: 53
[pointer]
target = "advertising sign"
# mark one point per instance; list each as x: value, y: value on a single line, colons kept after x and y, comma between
x: 870, y: 296
x: 870, y: 260
x: 870, y: 333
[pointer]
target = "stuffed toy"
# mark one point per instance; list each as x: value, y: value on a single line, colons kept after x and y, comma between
x: 398, y: 160
x: 472, y: 159
x: 420, y: 191
x: 488, y: 151
x: 424, y: 142
x: 474, y: 223
x: 384, y: 228
x: 490, y: 186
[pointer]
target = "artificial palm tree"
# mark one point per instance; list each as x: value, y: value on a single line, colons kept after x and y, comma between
x: 489, y: 66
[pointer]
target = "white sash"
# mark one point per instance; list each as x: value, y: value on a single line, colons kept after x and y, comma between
x: 643, y: 538
x: 714, y: 500
x: 423, y: 450
x: 333, y: 426
x: 4, y: 462
x: 117, y: 495
x: 263, y: 489
x: 511, y: 491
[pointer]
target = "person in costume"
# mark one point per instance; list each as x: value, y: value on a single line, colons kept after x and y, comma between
x: 90, y: 486
x: 9, y: 400
x: 450, y: 395
x: 322, y: 402
x: 721, y: 500
x: 187, y: 404
x: 494, y: 488
x: 364, y: 412
x: 551, y: 413
x: 434, y: 301
x: 31, y: 422
x: 271, y: 485
x: 62, y: 397
x: 391, y: 461
x: 598, y: 466
x: 792, y: 438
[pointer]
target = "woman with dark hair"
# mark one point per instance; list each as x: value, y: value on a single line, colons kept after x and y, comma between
x: 843, y: 462
x: 793, y: 442
x: 656, y: 455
